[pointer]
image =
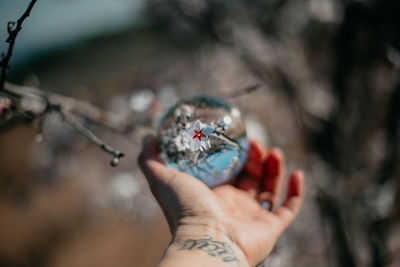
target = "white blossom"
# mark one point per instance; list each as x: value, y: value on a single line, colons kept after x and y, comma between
x: 195, y: 137
x: 200, y: 133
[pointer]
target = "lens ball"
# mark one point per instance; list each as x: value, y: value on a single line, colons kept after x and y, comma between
x: 205, y: 137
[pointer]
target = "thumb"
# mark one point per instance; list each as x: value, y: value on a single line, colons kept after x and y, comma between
x: 159, y: 178
x: 177, y: 193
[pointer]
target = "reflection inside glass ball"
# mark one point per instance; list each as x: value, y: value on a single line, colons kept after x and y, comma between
x: 205, y: 137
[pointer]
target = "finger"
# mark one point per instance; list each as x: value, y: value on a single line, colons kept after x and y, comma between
x: 249, y: 179
x: 271, y: 184
x: 294, y: 198
x: 254, y: 163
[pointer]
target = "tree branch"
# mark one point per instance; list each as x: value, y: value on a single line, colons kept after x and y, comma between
x: 78, y: 107
x: 30, y: 103
x: 12, y: 36
x: 71, y: 120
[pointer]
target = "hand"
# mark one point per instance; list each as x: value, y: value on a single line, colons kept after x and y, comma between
x: 232, y: 215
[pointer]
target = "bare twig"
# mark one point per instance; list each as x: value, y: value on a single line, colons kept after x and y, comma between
x: 71, y: 120
x: 81, y: 108
x: 12, y: 35
x: 229, y: 140
x: 241, y: 92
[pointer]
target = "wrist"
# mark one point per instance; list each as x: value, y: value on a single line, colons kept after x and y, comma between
x: 203, y: 244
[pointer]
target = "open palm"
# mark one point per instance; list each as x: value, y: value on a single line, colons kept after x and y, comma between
x: 240, y: 211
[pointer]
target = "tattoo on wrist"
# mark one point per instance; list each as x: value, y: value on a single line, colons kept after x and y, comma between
x: 213, y: 248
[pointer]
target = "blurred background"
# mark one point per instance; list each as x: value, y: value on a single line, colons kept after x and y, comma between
x: 330, y: 98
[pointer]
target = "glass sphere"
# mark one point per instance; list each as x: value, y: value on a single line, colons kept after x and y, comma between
x: 205, y: 137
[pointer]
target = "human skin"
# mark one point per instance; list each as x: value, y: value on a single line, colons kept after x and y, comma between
x: 226, y: 225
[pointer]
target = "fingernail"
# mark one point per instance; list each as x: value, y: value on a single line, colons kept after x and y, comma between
x: 266, y: 205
